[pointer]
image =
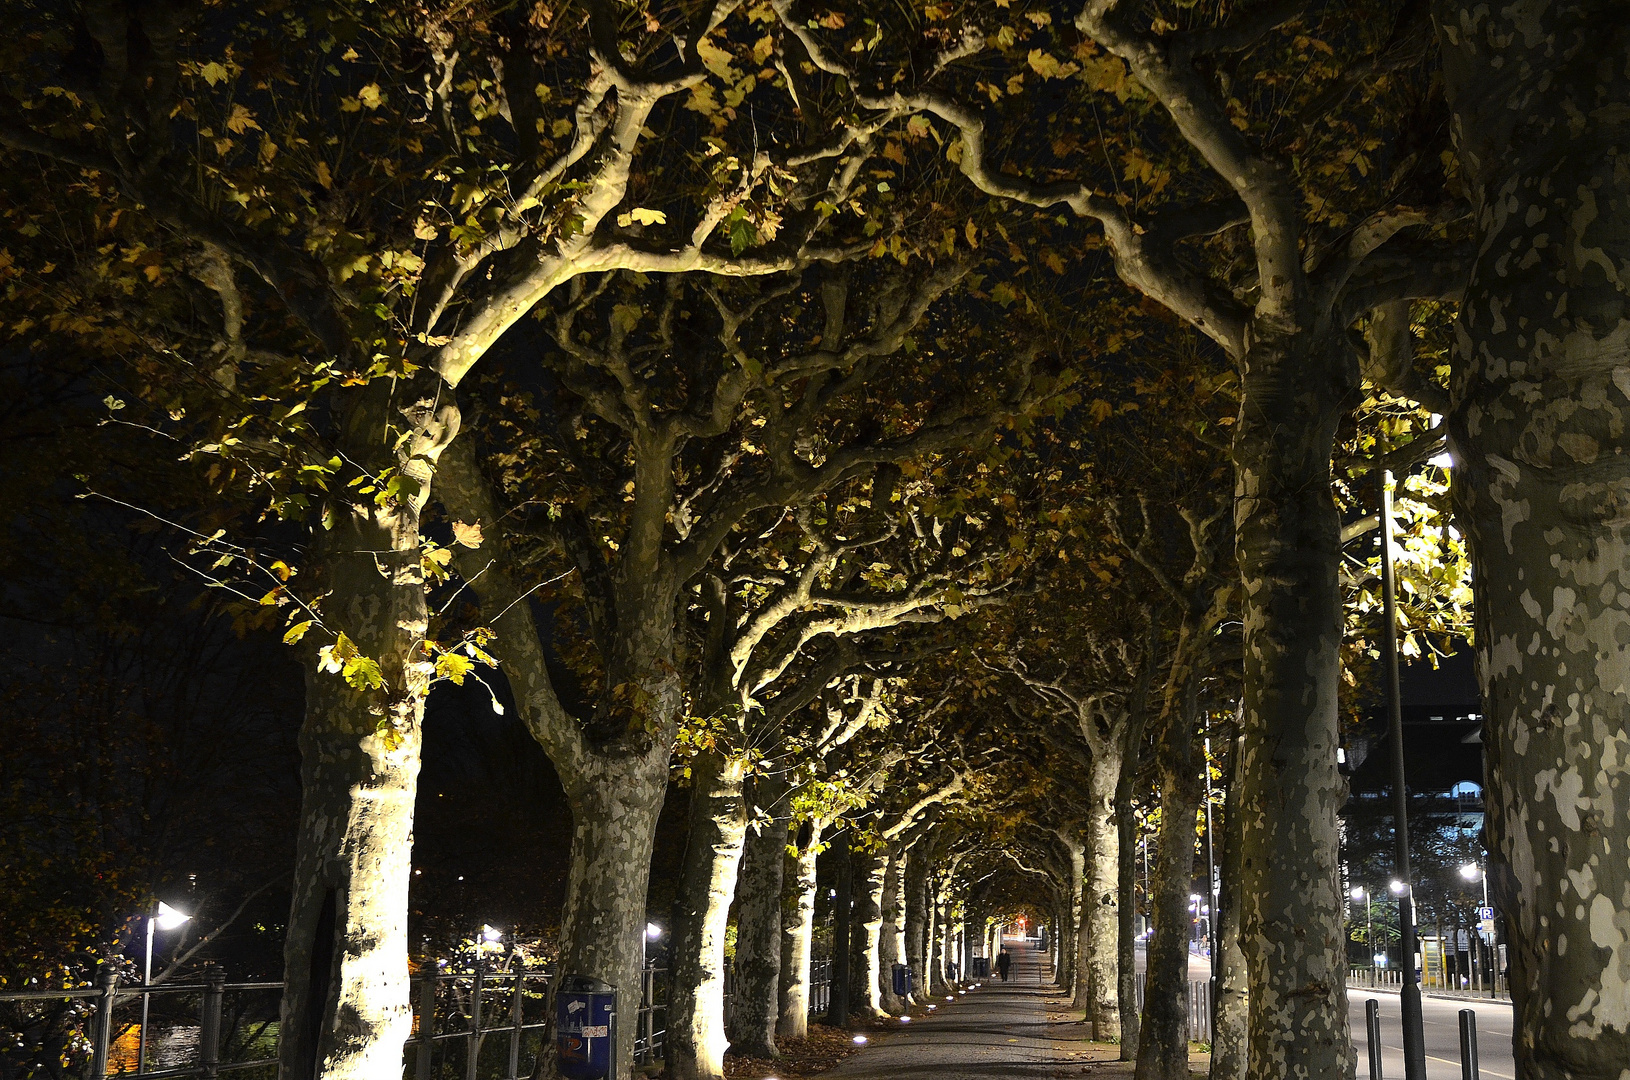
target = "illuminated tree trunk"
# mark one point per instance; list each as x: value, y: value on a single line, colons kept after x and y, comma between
x: 1070, y: 972
x: 796, y: 936
x: 1163, y: 1036
x: 865, y: 996
x: 916, y: 893
x: 345, y: 1010
x: 1100, y: 895
x: 1232, y: 1013
x: 758, y: 926
x: 1540, y: 99
x: 1126, y: 988
x: 694, y: 1046
x: 1288, y: 543
x: 888, y: 943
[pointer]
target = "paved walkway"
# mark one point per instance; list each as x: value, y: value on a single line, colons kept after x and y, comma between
x: 997, y: 1031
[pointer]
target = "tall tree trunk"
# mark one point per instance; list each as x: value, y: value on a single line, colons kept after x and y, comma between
x: 694, y: 1046
x: 865, y: 995
x: 888, y: 942
x: 916, y: 891
x: 1100, y: 895
x: 837, y: 1013
x: 1068, y: 923
x: 1288, y: 540
x: 758, y: 924
x: 936, y: 960
x: 797, y: 935
x: 345, y: 1010
x: 1231, y: 1008
x: 1126, y: 949
x: 1163, y: 1035
x: 1540, y: 98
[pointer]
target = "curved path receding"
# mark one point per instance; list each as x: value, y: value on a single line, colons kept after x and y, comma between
x: 999, y: 1030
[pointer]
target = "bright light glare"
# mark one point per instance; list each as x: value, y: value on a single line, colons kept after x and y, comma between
x: 1443, y: 461
x: 933, y: 1006
x: 1471, y: 871
x: 1358, y: 892
x: 491, y: 933
x: 949, y: 997
x: 1397, y: 887
x: 168, y: 918
x: 860, y: 1040
x: 653, y: 931
x: 1380, y: 959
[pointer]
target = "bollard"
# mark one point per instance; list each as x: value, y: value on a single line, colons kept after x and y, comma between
x: 1468, y: 1045
x: 1372, y: 1035
x: 209, y: 1023
x: 102, y: 1040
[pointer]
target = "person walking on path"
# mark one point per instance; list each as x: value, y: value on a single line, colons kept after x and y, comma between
x: 1004, y: 960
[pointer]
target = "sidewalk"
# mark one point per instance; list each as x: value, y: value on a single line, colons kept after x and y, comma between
x: 997, y: 1031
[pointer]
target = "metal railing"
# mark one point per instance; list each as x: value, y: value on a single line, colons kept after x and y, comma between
x: 204, y: 1037
x: 480, y: 1025
x: 1198, y: 1012
x: 1369, y: 978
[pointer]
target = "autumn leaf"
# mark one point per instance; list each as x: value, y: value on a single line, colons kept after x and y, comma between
x: 213, y: 72
x: 467, y: 535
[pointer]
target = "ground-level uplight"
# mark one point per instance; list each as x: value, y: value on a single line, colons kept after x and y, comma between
x: 905, y: 1019
x: 860, y: 1040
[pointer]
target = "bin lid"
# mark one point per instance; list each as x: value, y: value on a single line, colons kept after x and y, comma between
x: 586, y: 984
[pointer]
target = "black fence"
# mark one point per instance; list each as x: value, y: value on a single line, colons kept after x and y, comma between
x: 481, y: 1025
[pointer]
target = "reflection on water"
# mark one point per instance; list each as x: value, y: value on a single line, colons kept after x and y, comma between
x: 169, y: 1046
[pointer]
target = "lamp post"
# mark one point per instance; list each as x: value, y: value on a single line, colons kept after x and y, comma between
x: 1361, y: 893
x: 1409, y: 993
x: 164, y: 918
x: 1474, y: 872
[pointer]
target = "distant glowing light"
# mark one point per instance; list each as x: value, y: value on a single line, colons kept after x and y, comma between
x: 1444, y: 460
x: 860, y: 1040
x: 1471, y: 871
x: 1397, y: 887
x: 905, y: 1019
x: 653, y: 931
x: 491, y: 933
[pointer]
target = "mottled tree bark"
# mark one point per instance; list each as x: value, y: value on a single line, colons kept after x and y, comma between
x: 916, y: 900
x: 758, y: 924
x: 345, y: 1010
x: 1540, y: 97
x: 837, y: 1013
x: 1288, y: 540
x: 1071, y: 974
x: 694, y: 1046
x: 797, y: 934
x: 1231, y: 1009
x: 1100, y: 894
x: 1163, y: 1035
x: 865, y: 996
x: 1126, y: 988
x: 893, y: 919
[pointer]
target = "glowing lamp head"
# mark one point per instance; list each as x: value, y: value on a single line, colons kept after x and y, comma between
x: 1357, y: 893
x: 491, y: 934
x: 652, y: 931
x: 1471, y: 871
x: 168, y: 918
x: 1398, y: 888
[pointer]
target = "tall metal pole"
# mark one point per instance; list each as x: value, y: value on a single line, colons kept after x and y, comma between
x: 146, y: 996
x: 1410, y: 990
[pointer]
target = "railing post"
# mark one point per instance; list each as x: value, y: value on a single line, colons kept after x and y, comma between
x: 475, y: 1027
x: 515, y: 1014
x: 1372, y: 1036
x: 102, y: 1038
x: 209, y: 1022
x: 1468, y: 1045
x: 427, y: 1025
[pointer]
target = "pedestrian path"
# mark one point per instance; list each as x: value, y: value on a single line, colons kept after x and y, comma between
x: 997, y: 1031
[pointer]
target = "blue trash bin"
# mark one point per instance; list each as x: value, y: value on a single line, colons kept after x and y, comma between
x: 902, y: 980
x: 586, y: 1028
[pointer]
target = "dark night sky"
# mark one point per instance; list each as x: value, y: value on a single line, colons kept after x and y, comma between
x: 1436, y: 706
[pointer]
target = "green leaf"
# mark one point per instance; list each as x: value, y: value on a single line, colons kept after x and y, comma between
x: 363, y: 673
x: 296, y: 632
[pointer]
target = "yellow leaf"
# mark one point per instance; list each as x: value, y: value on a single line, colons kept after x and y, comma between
x: 241, y: 120
x: 370, y: 96
x: 324, y: 177
x: 214, y: 72
x: 296, y: 632
x: 467, y: 535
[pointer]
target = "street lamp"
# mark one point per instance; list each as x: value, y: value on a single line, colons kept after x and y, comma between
x: 1473, y: 872
x: 1361, y: 893
x: 164, y: 918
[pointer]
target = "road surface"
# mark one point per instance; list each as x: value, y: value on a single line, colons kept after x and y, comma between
x: 1440, y: 1023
